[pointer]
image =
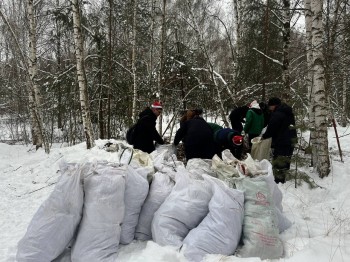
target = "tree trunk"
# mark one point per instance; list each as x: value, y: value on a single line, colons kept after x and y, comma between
x: 266, y: 50
x: 161, y: 69
x: 38, y: 132
x: 237, y: 15
x: 286, y: 43
x: 79, y: 55
x: 133, y: 63
x: 109, y: 69
x: 320, y: 108
x: 309, y: 79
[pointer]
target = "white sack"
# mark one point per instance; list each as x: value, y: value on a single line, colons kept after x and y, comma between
x: 260, y: 229
x: 220, y: 230
x: 225, y: 171
x: 99, y: 231
x: 283, y: 222
x: 198, y: 166
x: 54, y: 224
x: 261, y: 148
x: 136, y: 190
x: 160, y: 189
x: 183, y: 210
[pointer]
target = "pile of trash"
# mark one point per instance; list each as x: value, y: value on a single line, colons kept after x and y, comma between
x: 96, y: 206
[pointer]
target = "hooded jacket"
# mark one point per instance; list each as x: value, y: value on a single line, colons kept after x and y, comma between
x: 281, y: 127
x: 146, y: 132
x: 254, y: 121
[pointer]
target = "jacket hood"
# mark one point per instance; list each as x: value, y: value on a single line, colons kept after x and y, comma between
x: 148, y: 112
x: 286, y: 109
x: 256, y: 110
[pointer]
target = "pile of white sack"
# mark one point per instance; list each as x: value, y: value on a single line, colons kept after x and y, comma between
x: 217, y: 206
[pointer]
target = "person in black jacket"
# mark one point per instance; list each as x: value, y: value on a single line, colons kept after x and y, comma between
x: 281, y: 129
x: 197, y: 137
x: 145, y: 130
x: 237, y: 116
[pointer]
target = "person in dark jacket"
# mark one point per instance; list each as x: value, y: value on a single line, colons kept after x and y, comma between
x: 145, y: 130
x: 265, y: 109
x: 281, y: 129
x: 227, y: 138
x: 254, y: 121
x: 197, y: 137
x: 237, y: 116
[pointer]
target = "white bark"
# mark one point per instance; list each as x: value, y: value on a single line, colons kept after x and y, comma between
x: 344, y: 68
x: 320, y: 109
x: 309, y: 78
x: 33, y: 71
x: 161, y: 62
x: 34, y: 97
x: 134, y: 63
x: 79, y: 54
x: 286, y: 43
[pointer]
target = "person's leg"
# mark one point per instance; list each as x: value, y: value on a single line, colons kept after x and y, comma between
x: 281, y: 162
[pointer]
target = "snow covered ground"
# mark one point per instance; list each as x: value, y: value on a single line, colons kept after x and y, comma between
x: 320, y: 216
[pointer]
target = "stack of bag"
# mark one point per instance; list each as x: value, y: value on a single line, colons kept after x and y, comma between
x: 97, y: 206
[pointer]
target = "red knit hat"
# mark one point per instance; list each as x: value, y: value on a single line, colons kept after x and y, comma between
x: 237, y: 140
x: 157, y: 104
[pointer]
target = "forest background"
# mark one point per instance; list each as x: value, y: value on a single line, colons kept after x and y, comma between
x: 74, y: 71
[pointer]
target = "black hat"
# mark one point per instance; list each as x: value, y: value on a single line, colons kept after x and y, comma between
x: 274, y: 101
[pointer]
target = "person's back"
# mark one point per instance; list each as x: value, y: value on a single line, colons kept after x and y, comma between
x: 227, y: 138
x: 281, y: 129
x: 145, y: 130
x: 197, y: 137
x: 237, y: 116
x: 254, y: 121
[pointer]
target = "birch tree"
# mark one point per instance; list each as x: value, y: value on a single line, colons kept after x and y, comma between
x: 309, y: 78
x: 319, y: 93
x: 286, y: 43
x: 161, y: 62
x: 83, y: 92
x: 33, y: 71
x: 133, y: 62
x: 30, y: 66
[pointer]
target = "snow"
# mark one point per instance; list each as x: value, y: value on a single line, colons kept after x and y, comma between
x: 320, y: 216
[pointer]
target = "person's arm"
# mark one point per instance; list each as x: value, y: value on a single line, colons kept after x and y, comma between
x: 273, y: 126
x: 248, y: 121
x: 180, y: 133
x: 157, y: 137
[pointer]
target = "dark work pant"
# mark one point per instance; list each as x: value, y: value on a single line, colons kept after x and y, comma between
x: 282, y: 156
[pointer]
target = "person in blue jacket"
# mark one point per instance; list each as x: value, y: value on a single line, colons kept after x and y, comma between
x: 227, y: 138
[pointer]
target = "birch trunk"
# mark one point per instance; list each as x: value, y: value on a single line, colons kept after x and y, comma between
x: 109, y: 69
x: 319, y: 92
x: 286, y: 43
x: 237, y: 15
x: 79, y: 55
x: 161, y: 69
x: 344, y: 69
x: 38, y: 132
x: 345, y: 87
x: 32, y: 69
x: 309, y: 79
x: 133, y: 63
